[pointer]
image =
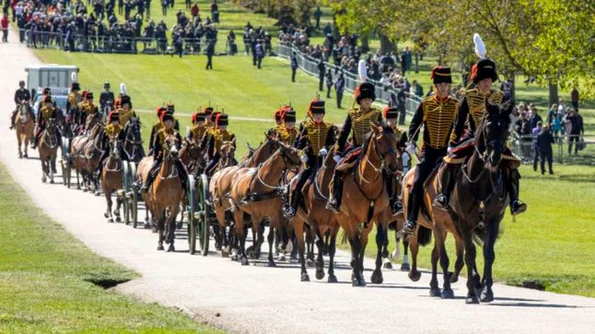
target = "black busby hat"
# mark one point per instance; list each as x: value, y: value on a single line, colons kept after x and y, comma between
x: 289, y: 116
x: 485, y: 68
x: 317, y: 107
x: 75, y: 86
x: 390, y: 112
x: 222, y: 119
x: 441, y: 74
x: 90, y: 95
x: 198, y: 117
x: 113, y: 116
x: 123, y: 100
x: 213, y: 116
x: 208, y: 111
x: 365, y: 90
x: 167, y: 116
x: 106, y: 85
x: 171, y: 108
x: 278, y: 115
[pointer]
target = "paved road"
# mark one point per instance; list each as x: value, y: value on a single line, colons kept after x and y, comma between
x: 258, y: 299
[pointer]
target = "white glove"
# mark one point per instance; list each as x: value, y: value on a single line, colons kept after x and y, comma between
x: 304, y: 158
x: 337, y: 157
x: 323, y: 151
x: 450, y: 149
x: 411, y: 148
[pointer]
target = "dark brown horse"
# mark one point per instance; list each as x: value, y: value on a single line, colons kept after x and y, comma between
x: 48, y: 148
x: 92, y: 152
x: 111, y: 178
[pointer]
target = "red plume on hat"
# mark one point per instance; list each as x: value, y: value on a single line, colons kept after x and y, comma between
x: 160, y: 111
x: 113, y: 116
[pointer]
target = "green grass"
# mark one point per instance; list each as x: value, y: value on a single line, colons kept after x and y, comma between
x: 46, y: 280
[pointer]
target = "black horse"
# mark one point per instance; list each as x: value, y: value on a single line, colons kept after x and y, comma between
x: 133, y: 143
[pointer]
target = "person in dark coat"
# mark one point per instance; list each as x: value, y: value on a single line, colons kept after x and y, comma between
x: 321, y: 73
x: 329, y: 83
x: 294, y: 66
x: 576, y: 130
x: 340, y: 87
x: 544, y: 143
x: 210, y: 53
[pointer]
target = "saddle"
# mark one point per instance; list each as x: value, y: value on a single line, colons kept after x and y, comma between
x: 349, y: 161
x: 462, y: 152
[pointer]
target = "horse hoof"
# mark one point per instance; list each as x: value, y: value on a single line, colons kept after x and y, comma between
x: 118, y: 219
x: 447, y: 294
x: 332, y: 279
x: 106, y: 215
x: 224, y: 253
x: 171, y: 248
x: 387, y: 265
x: 52, y: 181
x: 26, y: 156
x: 487, y: 296
x: 96, y: 193
x: 319, y: 274
x: 43, y: 179
x: 20, y: 156
x: 435, y: 292
x: 310, y: 263
x: 110, y: 220
x: 245, y: 261
x: 414, y: 276
x: 405, y: 267
x: 359, y: 283
x: 235, y: 257
x: 160, y: 248
x: 471, y: 300
x: 305, y: 278
x: 271, y: 264
x: 453, y: 278
x: 147, y: 226
x: 282, y: 258
x: 179, y: 225
x: 377, y: 277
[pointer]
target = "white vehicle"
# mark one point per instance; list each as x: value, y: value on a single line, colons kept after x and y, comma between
x: 57, y: 77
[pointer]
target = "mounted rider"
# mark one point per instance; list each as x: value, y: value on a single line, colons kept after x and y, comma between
x: 358, y: 124
x: 219, y: 135
x: 436, y: 114
x: 89, y: 109
x: 125, y: 111
x: 156, y: 127
x: 168, y: 120
x: 46, y: 92
x: 315, y: 139
x: 74, y: 98
x: 471, y: 111
x: 199, y: 128
x: 278, y: 116
x: 112, y: 130
x: 47, y: 112
x: 286, y: 131
x: 391, y: 117
x: 21, y: 95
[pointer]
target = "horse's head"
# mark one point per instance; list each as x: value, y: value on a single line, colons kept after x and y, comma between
x: 493, y: 132
x: 172, y: 147
x: 290, y: 155
x: 386, y: 146
x: 51, y: 126
x: 132, y: 129
x: 228, y: 149
x: 114, y: 147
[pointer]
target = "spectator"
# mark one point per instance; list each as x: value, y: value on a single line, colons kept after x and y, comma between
x: 552, y: 114
x: 523, y: 130
x: 4, y: 27
x: 294, y: 66
x: 556, y: 127
x: 259, y: 48
x: 329, y: 83
x: 416, y: 89
x: 210, y: 53
x: 535, y: 117
x: 535, y: 132
x: 321, y: 73
x: 317, y: 16
x: 402, y: 99
x: 164, y: 4
x: 576, y: 130
x: 506, y: 88
x: 194, y: 11
x: 574, y: 98
x: 544, y: 143
x: 339, y: 87
x: 214, y: 12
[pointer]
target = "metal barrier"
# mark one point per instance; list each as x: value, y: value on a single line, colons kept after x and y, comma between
x: 564, y: 149
x: 310, y: 66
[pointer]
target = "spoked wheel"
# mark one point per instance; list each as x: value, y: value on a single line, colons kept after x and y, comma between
x: 204, y: 222
x: 191, y: 209
x: 132, y: 195
x: 125, y: 190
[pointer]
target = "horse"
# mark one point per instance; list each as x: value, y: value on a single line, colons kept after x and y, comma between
x: 24, y: 125
x: 142, y: 170
x: 192, y: 157
x: 481, y: 183
x: 320, y: 221
x: 111, y: 178
x: 77, y: 155
x: 256, y: 192
x: 221, y: 183
x: 366, y: 185
x: 166, y: 194
x: 133, y: 143
x: 48, y: 148
x: 92, y: 152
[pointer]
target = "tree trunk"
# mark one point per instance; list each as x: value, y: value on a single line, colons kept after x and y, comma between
x: 416, y: 62
x: 365, y: 44
x: 553, y: 93
x: 386, y: 46
x: 513, y: 88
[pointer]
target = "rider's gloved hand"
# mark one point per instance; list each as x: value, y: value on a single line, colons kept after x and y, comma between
x: 337, y: 157
x: 323, y: 151
x: 304, y: 158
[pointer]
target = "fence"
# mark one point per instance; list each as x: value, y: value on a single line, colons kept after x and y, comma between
x: 568, y: 149
x: 310, y: 66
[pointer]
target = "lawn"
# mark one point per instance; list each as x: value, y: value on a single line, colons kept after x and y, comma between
x: 50, y: 282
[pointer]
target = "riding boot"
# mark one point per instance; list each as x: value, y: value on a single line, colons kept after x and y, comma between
x: 413, y: 210
x: 183, y: 174
x: 334, y: 202
x: 12, y: 119
x: 36, y: 139
x: 291, y: 210
x: 443, y: 199
x: 516, y: 205
x: 151, y: 176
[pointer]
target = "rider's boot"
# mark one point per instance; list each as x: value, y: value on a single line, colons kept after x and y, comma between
x: 443, y: 199
x: 334, y: 202
x: 516, y: 205
x: 412, y: 208
x: 12, y: 119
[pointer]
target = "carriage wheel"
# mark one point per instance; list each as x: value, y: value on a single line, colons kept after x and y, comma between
x: 132, y: 196
x: 126, y: 188
x: 191, y: 196
x: 205, y: 217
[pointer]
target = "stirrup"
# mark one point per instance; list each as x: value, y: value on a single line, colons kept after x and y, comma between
x: 408, y: 227
x: 144, y: 188
x: 441, y: 201
x: 289, y: 213
x: 396, y: 208
x: 517, y: 207
x: 332, y: 205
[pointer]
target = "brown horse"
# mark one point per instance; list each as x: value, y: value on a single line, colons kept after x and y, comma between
x: 166, y: 194
x: 92, y: 152
x: 77, y: 155
x: 24, y: 125
x: 256, y: 192
x: 192, y: 157
x: 142, y: 171
x: 48, y: 148
x: 366, y: 186
x: 111, y: 178
x: 221, y: 183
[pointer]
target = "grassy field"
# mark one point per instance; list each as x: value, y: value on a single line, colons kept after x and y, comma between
x: 50, y: 282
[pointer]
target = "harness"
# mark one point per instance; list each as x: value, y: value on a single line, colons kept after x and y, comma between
x: 276, y: 189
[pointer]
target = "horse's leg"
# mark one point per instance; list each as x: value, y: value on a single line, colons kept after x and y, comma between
x: 470, y: 262
x: 309, y: 248
x: 355, y: 250
x: 460, y: 262
x: 440, y: 239
x: 52, y: 163
x: 43, y: 169
x: 381, y: 242
x: 271, y: 241
x: 331, y: 253
x: 319, y: 264
x: 405, y: 266
x: 434, y: 289
x: 108, y: 212
x: 160, y: 219
x: 364, y: 242
x: 386, y: 263
x: 299, y: 232
x: 240, y: 233
x: 171, y: 225
x: 489, y: 255
x: 119, y: 201
x: 414, y: 275
x: 19, y: 143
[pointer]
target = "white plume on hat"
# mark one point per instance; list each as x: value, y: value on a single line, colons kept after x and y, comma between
x: 480, y: 47
x: 73, y: 77
x: 123, y: 89
x: 362, y: 70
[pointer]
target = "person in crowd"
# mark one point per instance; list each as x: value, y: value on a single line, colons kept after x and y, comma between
x: 544, y: 144
x: 535, y: 132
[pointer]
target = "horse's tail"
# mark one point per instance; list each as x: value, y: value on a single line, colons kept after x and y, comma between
x: 424, y: 235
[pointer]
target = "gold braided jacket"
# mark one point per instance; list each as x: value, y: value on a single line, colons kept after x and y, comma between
x: 125, y: 115
x: 220, y: 137
x: 197, y: 133
x: 287, y: 136
x: 438, y: 117
x: 317, y: 133
x: 90, y: 108
x: 361, y: 123
x: 113, y: 130
x: 476, y: 101
x: 74, y: 99
x: 162, y: 134
x: 47, y: 112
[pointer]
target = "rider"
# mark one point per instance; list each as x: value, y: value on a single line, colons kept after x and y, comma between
x: 472, y: 110
x: 106, y: 99
x: 74, y: 98
x: 89, y: 109
x: 47, y: 112
x: 112, y: 130
x: 437, y: 114
x: 316, y: 138
x: 218, y: 136
x: 208, y: 111
x: 80, y: 109
x: 391, y: 116
x: 357, y: 124
x: 46, y: 92
x: 22, y: 94
x: 199, y: 129
x: 278, y: 116
x: 156, y: 127
x: 126, y: 111
x: 287, y: 131
x: 168, y: 120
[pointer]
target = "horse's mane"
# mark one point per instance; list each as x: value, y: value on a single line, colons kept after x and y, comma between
x: 367, y: 138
